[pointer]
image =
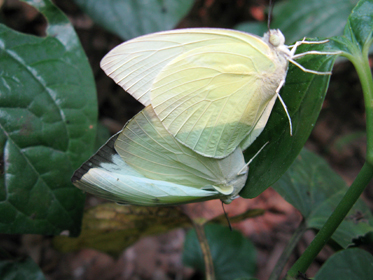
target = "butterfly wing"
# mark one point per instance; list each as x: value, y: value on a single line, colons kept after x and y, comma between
x: 136, y: 63
x: 262, y: 121
x: 106, y: 175
x: 210, y: 98
x: 208, y: 86
x: 150, y: 149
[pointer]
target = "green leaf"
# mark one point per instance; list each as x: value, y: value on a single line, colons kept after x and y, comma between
x: 314, y: 18
x: 255, y: 27
x: 132, y: 18
x: 303, y: 95
x: 358, y: 33
x: 111, y: 227
x: 347, y: 264
x: 343, y: 141
x: 359, y: 28
x: 312, y: 187
x: 22, y: 269
x: 304, y: 100
x: 47, y: 126
x: 233, y: 255
x: 102, y: 136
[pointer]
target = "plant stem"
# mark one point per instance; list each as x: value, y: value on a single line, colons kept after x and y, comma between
x: 365, y: 75
x: 340, y: 212
x: 363, y: 178
x: 279, y: 267
x: 209, y: 265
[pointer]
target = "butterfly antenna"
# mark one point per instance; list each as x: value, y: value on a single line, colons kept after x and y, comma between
x: 270, y: 14
x: 226, y: 216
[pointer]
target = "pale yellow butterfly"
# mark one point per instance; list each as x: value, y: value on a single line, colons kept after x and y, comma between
x: 144, y: 165
x: 212, y: 89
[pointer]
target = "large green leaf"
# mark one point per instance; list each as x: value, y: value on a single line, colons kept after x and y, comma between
x: 48, y: 117
x: 354, y: 263
x: 22, y: 269
x: 313, y: 18
x: 132, y: 18
x: 303, y: 95
x: 233, y: 255
x: 312, y: 187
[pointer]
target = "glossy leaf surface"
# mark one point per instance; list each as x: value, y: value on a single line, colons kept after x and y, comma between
x: 47, y: 126
x: 303, y: 95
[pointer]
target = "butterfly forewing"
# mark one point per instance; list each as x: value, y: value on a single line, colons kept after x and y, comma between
x: 210, y: 98
x: 135, y: 64
x: 208, y: 86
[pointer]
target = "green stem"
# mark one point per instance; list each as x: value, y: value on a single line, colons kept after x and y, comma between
x: 365, y: 75
x: 276, y: 273
x: 363, y: 178
x: 323, y: 236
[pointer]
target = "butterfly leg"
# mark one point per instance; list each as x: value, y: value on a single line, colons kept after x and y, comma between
x: 284, y: 105
x: 296, y: 56
x: 298, y: 43
x: 308, y: 70
x: 247, y: 164
x: 315, y: 52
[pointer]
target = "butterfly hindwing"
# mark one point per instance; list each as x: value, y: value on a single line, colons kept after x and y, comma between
x: 106, y: 175
x: 149, y: 148
x: 144, y: 165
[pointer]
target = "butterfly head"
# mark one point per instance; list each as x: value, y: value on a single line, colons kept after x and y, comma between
x: 275, y: 39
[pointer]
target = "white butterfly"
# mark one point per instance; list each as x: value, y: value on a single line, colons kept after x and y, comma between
x: 212, y: 89
x: 144, y: 165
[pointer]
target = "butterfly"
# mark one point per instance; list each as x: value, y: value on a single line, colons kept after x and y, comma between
x: 144, y: 165
x: 212, y: 89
